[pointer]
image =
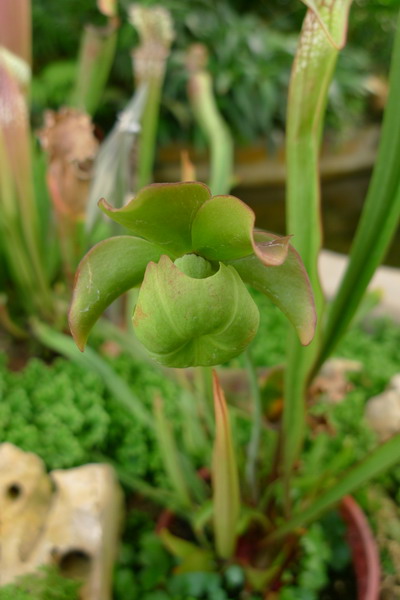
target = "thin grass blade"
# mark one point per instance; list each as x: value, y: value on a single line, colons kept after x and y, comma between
x: 225, y: 482
x: 170, y: 455
x: 381, y: 459
x: 379, y: 220
x: 96, y: 55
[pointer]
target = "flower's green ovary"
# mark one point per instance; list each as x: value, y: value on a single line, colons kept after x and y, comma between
x: 161, y: 296
x: 184, y: 321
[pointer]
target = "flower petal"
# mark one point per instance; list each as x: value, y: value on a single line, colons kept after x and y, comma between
x: 162, y: 213
x: 108, y: 270
x: 287, y: 285
x: 223, y: 229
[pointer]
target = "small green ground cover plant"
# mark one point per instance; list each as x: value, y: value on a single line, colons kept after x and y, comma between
x: 85, y: 423
x: 46, y: 584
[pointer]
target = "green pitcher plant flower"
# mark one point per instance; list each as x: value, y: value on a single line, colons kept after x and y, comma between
x: 191, y: 254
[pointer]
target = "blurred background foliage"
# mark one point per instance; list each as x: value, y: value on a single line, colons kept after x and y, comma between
x: 251, y: 45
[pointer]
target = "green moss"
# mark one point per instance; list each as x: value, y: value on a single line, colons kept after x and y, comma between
x: 66, y: 415
x: 45, y: 584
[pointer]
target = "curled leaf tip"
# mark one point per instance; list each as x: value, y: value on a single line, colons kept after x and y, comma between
x: 286, y: 284
x: 104, y: 205
x: 80, y: 341
x: 272, y: 252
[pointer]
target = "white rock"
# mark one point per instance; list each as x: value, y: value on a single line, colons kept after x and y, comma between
x: 383, y: 412
x: 395, y: 382
x: 70, y: 517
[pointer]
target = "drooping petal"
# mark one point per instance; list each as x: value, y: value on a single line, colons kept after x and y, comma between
x: 163, y: 214
x: 223, y: 229
x: 271, y: 252
x: 287, y: 285
x: 187, y: 321
x: 110, y: 268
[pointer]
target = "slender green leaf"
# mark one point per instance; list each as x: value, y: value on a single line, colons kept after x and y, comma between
x: 13, y: 246
x: 225, y: 480
x: 193, y: 558
x: 169, y: 454
x: 383, y: 457
x: 311, y: 76
x: 253, y: 448
x: 16, y: 147
x: 206, y: 112
x: 286, y: 285
x: 96, y: 56
x: 108, y: 270
x: 379, y: 220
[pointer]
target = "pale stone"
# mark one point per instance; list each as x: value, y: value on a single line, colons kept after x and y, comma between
x: 395, y: 382
x: 332, y: 382
x: 383, y: 412
x: 70, y: 517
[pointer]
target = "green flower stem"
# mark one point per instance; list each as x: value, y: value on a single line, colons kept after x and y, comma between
x: 204, y: 393
x: 170, y: 455
x: 255, y: 439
